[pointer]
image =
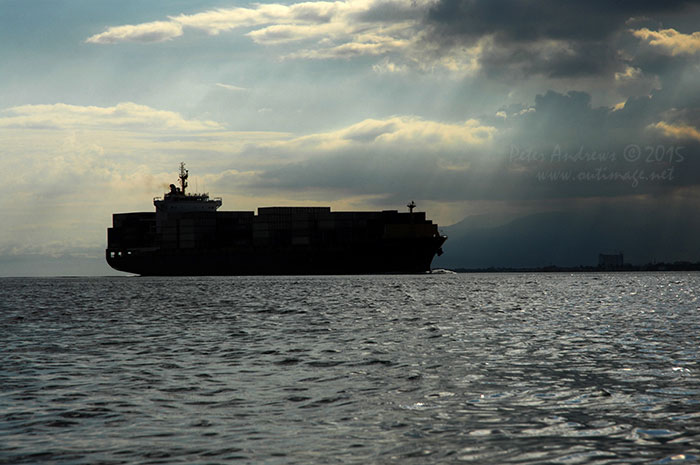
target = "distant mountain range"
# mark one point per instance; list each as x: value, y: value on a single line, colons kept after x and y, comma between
x: 572, y: 238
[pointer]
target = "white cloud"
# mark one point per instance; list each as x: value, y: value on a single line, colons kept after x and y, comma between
x: 386, y: 66
x: 630, y: 74
x: 362, y: 45
x: 527, y: 110
x: 324, y: 30
x: 157, y: 31
x: 670, y: 40
x: 619, y: 106
x: 282, y: 33
x: 221, y: 20
x: 677, y: 131
x: 307, y: 19
x: 231, y: 87
x: 282, y: 22
x: 122, y: 115
x: 399, y: 132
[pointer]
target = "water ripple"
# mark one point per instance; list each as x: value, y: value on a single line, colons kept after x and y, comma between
x: 488, y: 369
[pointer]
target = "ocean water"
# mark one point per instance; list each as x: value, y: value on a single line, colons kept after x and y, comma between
x: 469, y: 368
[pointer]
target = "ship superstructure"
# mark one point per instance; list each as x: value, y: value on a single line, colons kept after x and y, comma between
x: 177, y: 200
x: 186, y: 235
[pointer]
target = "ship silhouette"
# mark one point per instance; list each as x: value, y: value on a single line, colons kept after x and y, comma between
x: 187, y: 236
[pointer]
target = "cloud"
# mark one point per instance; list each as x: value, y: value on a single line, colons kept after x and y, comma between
x: 282, y: 23
x: 629, y: 74
x: 678, y: 131
x: 534, y: 20
x: 108, y: 159
x: 671, y: 41
x: 363, y: 45
x: 545, y: 38
x: 397, y: 132
x: 157, y: 31
x: 74, y: 166
x: 324, y: 30
x: 231, y: 87
x: 310, y: 13
x: 520, y: 154
x: 508, y: 38
x: 386, y: 66
x: 552, y: 58
x: 122, y: 115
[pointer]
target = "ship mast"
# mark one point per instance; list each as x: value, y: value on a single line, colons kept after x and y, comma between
x: 183, y: 177
x: 411, y: 206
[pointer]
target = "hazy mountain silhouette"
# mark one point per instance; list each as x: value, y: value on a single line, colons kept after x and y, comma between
x: 572, y: 238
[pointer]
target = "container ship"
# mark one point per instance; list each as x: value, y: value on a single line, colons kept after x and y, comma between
x: 188, y: 236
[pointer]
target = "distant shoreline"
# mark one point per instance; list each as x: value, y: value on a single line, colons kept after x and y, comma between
x: 675, y: 266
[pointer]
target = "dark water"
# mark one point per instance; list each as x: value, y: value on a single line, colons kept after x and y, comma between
x: 488, y: 369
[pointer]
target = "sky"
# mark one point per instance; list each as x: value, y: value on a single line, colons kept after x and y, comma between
x: 500, y: 108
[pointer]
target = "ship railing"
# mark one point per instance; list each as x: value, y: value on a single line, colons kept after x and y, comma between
x: 190, y: 196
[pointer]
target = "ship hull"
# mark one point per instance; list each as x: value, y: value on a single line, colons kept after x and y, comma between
x: 181, y: 240
x: 411, y: 255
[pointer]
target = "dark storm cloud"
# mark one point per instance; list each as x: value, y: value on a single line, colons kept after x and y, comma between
x: 677, y: 101
x: 529, y: 20
x: 576, y: 60
x: 548, y: 38
x: 617, y: 152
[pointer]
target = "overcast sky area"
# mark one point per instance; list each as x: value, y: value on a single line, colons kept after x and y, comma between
x: 467, y: 107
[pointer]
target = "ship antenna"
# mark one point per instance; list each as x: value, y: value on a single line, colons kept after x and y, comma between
x: 183, y: 177
x: 411, y: 206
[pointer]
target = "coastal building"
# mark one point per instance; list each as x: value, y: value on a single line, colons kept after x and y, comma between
x: 611, y: 261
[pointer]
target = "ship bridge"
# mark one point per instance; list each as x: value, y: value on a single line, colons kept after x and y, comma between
x: 178, y: 200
